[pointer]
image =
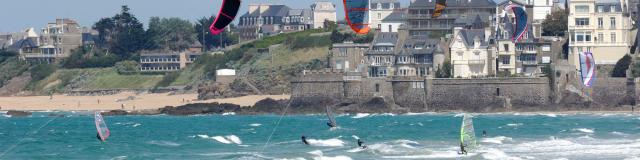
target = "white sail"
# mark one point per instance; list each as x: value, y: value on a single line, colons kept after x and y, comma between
x: 101, y: 127
x: 467, y: 134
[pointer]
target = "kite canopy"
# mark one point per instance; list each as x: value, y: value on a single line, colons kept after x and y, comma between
x: 356, y: 11
x: 440, y: 5
x: 521, y: 18
x: 587, y: 68
x: 226, y: 15
x: 101, y: 126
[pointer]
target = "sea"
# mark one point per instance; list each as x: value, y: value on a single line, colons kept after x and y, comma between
x: 387, y: 136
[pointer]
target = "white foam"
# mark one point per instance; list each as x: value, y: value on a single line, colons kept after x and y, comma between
x: 619, y: 133
x: 164, y: 143
x: 320, y: 156
x: 229, y: 113
x: 496, y: 140
x: 255, y: 124
x: 549, y: 115
x: 361, y: 115
x: 136, y: 125
x: 355, y: 137
x: 235, y: 139
x: 514, y: 124
x: 585, y: 130
x: 492, y: 153
x: 221, y: 139
x: 334, y: 142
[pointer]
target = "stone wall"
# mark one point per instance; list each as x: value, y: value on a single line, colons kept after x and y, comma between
x: 611, y: 92
x: 488, y: 93
x: 410, y: 93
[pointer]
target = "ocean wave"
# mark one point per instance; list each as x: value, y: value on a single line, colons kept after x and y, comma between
x: 136, y: 125
x: 334, y: 142
x: 320, y: 156
x: 496, y: 140
x: 432, y: 155
x: 514, y: 124
x: 164, y: 143
x: 255, y: 124
x: 361, y: 115
x: 222, y: 139
x: 235, y: 139
x: 584, y: 130
x: 397, y: 147
x: 619, y: 133
x: 229, y: 113
x: 492, y: 153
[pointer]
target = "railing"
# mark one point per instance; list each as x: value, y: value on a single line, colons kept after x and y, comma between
x: 159, y: 68
x: 39, y: 55
x: 479, y: 61
x: 530, y: 62
x: 160, y: 60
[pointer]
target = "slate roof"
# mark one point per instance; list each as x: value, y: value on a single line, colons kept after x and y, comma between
x: 395, y: 17
x: 469, y: 36
x: 455, y: 4
x: 385, y: 38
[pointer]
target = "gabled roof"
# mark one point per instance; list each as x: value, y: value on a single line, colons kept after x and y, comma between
x: 385, y: 38
x: 24, y: 43
x: 273, y: 11
x: 455, y: 4
x: 469, y: 36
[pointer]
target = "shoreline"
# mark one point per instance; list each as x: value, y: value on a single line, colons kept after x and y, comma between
x: 128, y: 100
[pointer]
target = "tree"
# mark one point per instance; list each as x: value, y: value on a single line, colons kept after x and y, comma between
x: 620, y: 70
x: 555, y: 24
x: 122, y: 34
x: 171, y: 33
x: 445, y: 71
x: 336, y: 37
x: 214, y: 41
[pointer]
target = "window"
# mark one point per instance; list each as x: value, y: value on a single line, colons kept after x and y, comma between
x: 600, y: 37
x: 600, y: 22
x: 613, y: 8
x: 417, y: 85
x: 583, y: 37
x: 582, y: 21
x: 582, y: 9
x: 601, y: 9
x: 390, y: 28
x: 506, y: 47
x: 528, y: 57
x: 613, y: 22
x: 379, y: 16
x: 505, y: 59
x: 377, y: 87
x: 613, y: 37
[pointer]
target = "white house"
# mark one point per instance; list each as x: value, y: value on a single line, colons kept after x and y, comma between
x: 470, y: 52
x: 380, y: 9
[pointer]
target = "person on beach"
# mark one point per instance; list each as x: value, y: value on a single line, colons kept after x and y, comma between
x: 462, y: 150
x: 304, y: 140
x: 361, y: 144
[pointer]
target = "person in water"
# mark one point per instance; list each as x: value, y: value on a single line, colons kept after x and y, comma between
x: 484, y: 133
x: 304, y: 140
x: 98, y: 136
x: 462, y: 150
x: 330, y: 124
x: 361, y: 144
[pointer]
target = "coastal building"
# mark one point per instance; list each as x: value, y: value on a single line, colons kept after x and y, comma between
x: 225, y: 76
x: 506, y: 56
x: 348, y: 56
x: 600, y: 27
x: 419, y: 19
x: 532, y: 54
x: 416, y: 57
x: 323, y: 11
x: 166, y: 62
x: 58, y: 38
x: 379, y: 10
x: 381, y: 58
x: 267, y: 19
x: 392, y: 22
x: 470, y: 52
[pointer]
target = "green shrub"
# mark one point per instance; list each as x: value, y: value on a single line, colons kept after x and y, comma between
x: 127, y: 67
x: 620, y: 70
x: 42, y: 71
x: 168, y: 78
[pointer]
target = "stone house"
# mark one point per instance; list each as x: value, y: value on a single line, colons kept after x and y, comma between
x: 323, y: 11
x: 470, y: 52
x: 349, y: 56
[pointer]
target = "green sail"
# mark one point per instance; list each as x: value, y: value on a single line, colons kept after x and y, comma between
x: 467, y: 134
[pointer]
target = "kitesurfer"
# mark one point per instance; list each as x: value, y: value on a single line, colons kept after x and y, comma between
x: 304, y: 140
x: 462, y: 150
x: 361, y: 144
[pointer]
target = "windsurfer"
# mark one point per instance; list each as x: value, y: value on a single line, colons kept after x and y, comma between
x: 462, y: 150
x: 330, y: 124
x: 98, y: 136
x: 304, y: 140
x: 361, y: 144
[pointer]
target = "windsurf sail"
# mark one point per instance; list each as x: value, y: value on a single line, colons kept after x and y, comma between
x: 101, y: 126
x: 440, y: 5
x: 227, y: 13
x: 521, y: 21
x: 332, y: 119
x: 467, y: 134
x: 356, y: 12
x: 587, y: 68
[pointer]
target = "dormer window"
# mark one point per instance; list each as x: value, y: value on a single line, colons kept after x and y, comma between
x: 379, y: 6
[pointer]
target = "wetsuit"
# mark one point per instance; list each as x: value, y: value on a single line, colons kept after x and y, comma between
x: 330, y: 125
x: 98, y: 136
x: 462, y: 150
x: 361, y: 144
x: 304, y: 140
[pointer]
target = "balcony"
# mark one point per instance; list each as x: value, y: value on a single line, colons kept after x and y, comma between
x: 469, y: 62
x: 529, y: 62
x: 39, y: 55
x: 477, y: 62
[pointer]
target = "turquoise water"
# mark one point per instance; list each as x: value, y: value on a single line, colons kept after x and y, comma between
x: 408, y: 136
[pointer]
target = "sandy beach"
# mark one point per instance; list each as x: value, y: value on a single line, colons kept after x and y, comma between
x: 110, y: 102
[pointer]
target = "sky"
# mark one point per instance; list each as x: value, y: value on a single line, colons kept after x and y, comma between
x: 17, y: 15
